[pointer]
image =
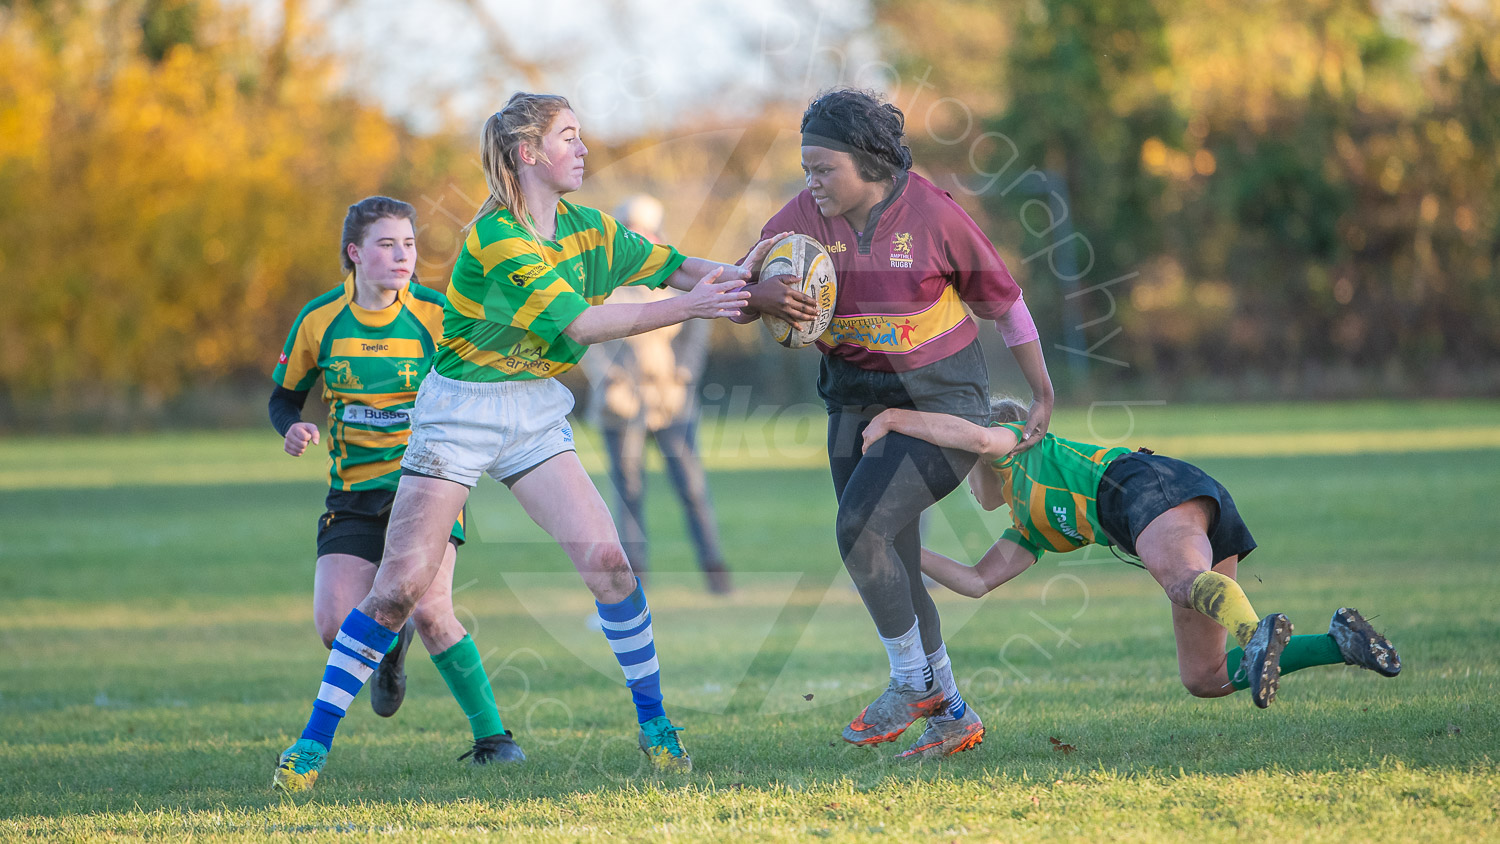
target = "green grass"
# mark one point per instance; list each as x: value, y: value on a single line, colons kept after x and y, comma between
x: 157, y: 651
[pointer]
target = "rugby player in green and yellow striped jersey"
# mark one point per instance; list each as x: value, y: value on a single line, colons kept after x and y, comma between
x: 524, y: 303
x: 371, y: 340
x: 1181, y: 523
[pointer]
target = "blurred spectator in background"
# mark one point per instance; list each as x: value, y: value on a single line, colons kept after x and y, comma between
x: 644, y: 385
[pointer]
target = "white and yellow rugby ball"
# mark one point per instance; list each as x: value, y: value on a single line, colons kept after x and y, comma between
x: 805, y: 258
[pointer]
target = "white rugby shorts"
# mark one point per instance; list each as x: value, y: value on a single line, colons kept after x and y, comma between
x: 463, y: 429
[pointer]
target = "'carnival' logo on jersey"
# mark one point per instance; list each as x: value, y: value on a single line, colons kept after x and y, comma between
x: 527, y: 275
x: 407, y: 371
x: 898, y: 333
x: 836, y: 246
x: 344, y: 377
x: 901, y: 250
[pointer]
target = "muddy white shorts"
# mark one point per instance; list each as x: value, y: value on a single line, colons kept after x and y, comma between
x: 463, y: 429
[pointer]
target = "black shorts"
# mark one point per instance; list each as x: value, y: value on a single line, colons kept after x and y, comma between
x: 355, y: 524
x: 1139, y: 487
x: 958, y: 385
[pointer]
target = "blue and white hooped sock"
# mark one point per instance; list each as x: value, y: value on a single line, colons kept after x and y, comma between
x: 359, y: 646
x: 627, y: 626
x: 942, y: 671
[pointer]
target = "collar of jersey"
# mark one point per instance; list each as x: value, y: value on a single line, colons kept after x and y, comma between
x: 867, y: 237
x: 380, y: 318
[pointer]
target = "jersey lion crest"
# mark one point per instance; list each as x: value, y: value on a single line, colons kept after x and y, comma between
x: 901, y: 243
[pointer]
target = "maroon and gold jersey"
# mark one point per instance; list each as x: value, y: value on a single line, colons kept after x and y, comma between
x: 904, y: 283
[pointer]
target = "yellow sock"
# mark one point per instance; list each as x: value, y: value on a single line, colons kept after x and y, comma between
x: 1222, y: 600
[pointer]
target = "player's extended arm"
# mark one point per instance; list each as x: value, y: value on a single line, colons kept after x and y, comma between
x: 692, y: 270
x: 1034, y: 367
x: 711, y: 298
x: 778, y: 300
x: 1002, y: 562
x: 942, y: 430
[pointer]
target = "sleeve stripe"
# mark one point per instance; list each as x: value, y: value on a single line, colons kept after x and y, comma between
x: 611, y: 230
x: 653, y: 264
x: 491, y: 255
x: 538, y: 302
x: 304, y: 355
x: 429, y: 314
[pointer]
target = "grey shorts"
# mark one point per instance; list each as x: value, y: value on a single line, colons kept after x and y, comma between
x: 461, y: 430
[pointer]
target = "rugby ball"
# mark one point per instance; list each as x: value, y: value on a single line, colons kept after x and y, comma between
x: 805, y: 258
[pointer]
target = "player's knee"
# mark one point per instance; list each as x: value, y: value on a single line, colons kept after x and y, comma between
x: 847, y: 528
x: 1206, y: 684
x: 432, y: 621
x: 394, y: 604
x: 863, y: 531
x: 328, y: 632
x: 609, y: 558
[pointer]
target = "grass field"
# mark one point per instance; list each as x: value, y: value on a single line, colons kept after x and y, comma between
x: 157, y: 652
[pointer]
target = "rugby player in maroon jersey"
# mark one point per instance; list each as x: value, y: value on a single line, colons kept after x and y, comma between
x: 911, y: 265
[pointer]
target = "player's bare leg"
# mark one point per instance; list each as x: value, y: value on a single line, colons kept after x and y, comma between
x: 433, y: 614
x: 457, y: 659
x: 340, y: 582
x: 1201, y: 661
x: 560, y: 497
x: 1176, y: 550
x: 422, y: 518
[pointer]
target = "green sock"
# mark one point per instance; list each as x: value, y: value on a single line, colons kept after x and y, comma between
x: 1301, y: 652
x: 463, y: 671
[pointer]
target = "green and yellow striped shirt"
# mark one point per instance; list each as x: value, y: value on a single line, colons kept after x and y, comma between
x: 1052, y: 490
x: 372, y: 363
x: 511, y: 297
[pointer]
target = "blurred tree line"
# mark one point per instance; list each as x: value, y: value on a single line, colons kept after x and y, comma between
x: 1280, y: 188
x: 1267, y: 188
x: 172, y: 192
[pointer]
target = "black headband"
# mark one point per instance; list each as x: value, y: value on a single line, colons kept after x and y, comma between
x: 821, y: 131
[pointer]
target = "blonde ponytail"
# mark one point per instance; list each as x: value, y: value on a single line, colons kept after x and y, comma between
x: 524, y: 120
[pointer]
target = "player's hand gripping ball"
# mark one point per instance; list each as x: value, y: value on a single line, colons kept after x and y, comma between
x: 803, y: 257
